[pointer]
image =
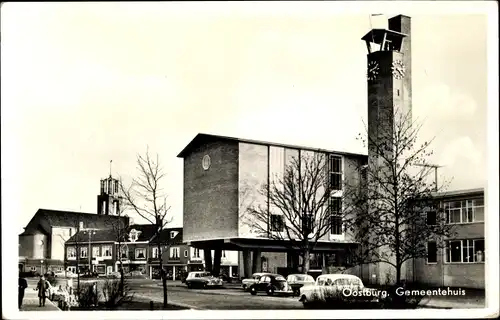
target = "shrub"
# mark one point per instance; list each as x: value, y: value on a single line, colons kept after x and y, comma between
x: 115, y: 293
x: 87, y: 296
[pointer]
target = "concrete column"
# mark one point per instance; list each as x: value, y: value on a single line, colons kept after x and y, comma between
x: 208, y: 259
x: 217, y: 261
x: 173, y: 273
x: 247, y: 264
x: 230, y: 271
x: 256, y: 261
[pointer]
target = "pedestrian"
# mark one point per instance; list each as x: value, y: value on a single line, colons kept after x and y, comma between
x: 23, y: 284
x: 42, y: 287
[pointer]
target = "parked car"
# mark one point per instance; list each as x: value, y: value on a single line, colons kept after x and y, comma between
x: 202, y: 279
x: 114, y: 275
x: 271, y: 284
x: 297, y: 281
x: 246, y: 283
x: 65, y: 274
x: 329, y: 285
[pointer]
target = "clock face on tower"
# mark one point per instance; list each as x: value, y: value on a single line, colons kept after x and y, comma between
x: 373, y: 70
x: 398, y: 69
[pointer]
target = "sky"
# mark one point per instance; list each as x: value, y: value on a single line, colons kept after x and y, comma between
x: 86, y: 83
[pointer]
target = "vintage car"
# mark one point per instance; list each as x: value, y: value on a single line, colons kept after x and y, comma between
x: 297, y: 281
x: 271, y: 284
x: 246, y: 283
x: 202, y: 279
x: 334, y: 285
x: 65, y: 274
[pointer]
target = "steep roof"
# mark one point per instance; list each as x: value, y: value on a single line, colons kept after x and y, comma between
x: 203, y: 138
x: 165, y: 237
x: 101, y: 235
x: 46, y: 218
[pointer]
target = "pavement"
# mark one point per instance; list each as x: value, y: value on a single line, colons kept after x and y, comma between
x: 31, y: 302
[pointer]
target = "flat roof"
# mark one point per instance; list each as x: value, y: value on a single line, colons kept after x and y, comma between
x: 203, y: 138
x: 458, y: 193
x: 377, y: 35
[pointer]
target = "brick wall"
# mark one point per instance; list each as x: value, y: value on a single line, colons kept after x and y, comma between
x: 211, y: 196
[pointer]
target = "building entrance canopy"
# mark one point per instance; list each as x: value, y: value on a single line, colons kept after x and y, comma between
x: 267, y: 245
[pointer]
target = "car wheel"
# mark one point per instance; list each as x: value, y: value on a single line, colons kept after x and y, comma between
x: 244, y: 287
x: 253, y: 291
x: 188, y: 285
x: 205, y: 286
x: 270, y: 291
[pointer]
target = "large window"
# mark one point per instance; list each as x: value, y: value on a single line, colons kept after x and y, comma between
x: 71, y: 252
x: 335, y: 172
x: 465, y: 251
x: 124, y: 251
x: 196, y: 253
x: 140, y: 253
x: 277, y: 223
x: 465, y: 211
x: 84, y: 252
x: 431, y: 252
x: 308, y: 223
x: 96, y: 252
x: 155, y: 252
x: 431, y: 217
x: 174, y: 253
x: 106, y: 251
x: 335, y: 208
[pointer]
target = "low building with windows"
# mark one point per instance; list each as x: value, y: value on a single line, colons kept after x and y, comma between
x: 42, y: 244
x: 91, y: 250
x: 134, y: 247
x: 174, y: 254
x: 457, y: 261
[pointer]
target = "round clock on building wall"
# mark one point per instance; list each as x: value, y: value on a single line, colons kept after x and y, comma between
x: 373, y: 70
x: 205, y: 162
x: 398, y: 69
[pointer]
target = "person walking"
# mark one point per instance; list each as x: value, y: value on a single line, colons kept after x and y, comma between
x: 42, y: 287
x: 23, y: 284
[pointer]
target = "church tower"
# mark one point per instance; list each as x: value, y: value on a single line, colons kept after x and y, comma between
x: 108, y: 201
x: 389, y: 98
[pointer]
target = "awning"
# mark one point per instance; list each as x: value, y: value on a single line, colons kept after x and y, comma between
x: 268, y: 245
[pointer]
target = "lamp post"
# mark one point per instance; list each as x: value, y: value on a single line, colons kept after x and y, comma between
x: 41, y: 243
x: 89, y: 254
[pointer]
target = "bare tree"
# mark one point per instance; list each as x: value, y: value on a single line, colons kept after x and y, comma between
x: 296, y: 212
x: 396, y: 214
x: 119, y: 230
x: 146, y: 198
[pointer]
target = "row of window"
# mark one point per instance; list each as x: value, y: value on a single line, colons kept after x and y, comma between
x: 277, y: 223
x: 140, y: 253
x: 466, y: 211
x: 458, y: 251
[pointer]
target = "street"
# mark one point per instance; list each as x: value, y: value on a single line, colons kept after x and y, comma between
x: 213, y: 299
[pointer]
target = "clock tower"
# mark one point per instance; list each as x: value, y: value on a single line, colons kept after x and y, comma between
x: 389, y: 98
x: 389, y: 76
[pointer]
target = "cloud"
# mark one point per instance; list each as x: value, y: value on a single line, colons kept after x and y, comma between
x: 459, y: 151
x: 438, y: 100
